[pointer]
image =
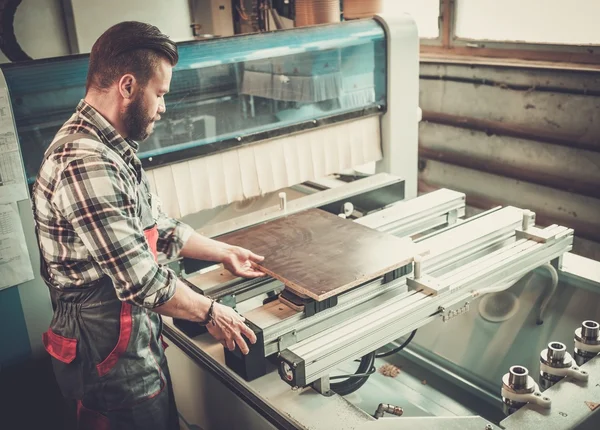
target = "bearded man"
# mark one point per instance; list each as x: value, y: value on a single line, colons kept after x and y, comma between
x: 99, y: 230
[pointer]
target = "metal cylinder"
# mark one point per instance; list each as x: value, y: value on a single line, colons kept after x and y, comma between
x: 516, y: 381
x: 384, y: 408
x: 417, y: 266
x: 283, y: 201
x: 517, y: 377
x: 554, y: 357
x: 590, y: 329
x: 556, y: 351
x: 588, y: 335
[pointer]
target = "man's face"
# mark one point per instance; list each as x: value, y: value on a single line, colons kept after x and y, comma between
x: 148, y: 103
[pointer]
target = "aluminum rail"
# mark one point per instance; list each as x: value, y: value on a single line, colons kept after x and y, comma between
x: 478, y: 237
x: 315, y: 357
x: 404, y: 218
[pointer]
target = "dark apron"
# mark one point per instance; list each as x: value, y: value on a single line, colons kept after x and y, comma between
x: 109, y: 355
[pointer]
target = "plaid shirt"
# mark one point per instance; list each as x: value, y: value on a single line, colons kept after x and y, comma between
x: 87, y: 210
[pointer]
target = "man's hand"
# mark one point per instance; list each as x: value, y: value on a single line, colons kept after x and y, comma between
x: 240, y: 262
x: 228, y: 328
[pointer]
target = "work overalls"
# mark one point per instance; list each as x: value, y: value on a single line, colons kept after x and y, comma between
x: 109, y: 355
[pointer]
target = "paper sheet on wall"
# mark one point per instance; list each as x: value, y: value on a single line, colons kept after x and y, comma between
x: 12, y: 176
x: 15, y: 266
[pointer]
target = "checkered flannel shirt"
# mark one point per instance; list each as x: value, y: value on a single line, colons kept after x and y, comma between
x: 85, y: 211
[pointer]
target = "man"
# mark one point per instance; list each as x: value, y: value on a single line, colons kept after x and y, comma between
x: 99, y: 230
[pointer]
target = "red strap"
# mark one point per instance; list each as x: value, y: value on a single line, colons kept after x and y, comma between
x: 88, y: 419
x: 165, y: 345
x: 152, y: 239
x: 121, y: 346
x: 59, y: 347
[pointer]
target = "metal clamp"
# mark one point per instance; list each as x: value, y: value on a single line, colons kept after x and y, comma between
x: 518, y: 389
x: 427, y: 284
x: 572, y: 372
x: 322, y: 386
x: 536, y: 234
x: 530, y: 232
x: 556, y: 363
x: 287, y: 340
x: 587, y: 341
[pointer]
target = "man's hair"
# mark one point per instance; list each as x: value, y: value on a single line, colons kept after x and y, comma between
x: 128, y: 47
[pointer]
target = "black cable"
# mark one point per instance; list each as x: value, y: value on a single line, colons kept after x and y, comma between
x: 355, y: 375
x: 354, y: 382
x: 398, y: 349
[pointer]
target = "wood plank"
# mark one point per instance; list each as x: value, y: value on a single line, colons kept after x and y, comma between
x: 211, y: 278
x: 319, y: 255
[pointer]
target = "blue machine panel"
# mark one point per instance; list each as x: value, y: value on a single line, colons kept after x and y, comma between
x: 222, y: 89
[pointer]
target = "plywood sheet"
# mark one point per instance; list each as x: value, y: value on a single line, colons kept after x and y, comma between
x: 319, y: 255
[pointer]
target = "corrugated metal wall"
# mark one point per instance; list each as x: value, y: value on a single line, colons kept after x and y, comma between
x: 516, y: 136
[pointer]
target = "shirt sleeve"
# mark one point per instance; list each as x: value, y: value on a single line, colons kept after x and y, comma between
x: 99, y: 201
x: 172, y: 234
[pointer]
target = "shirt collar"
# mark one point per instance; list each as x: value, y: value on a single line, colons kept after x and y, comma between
x: 126, y: 148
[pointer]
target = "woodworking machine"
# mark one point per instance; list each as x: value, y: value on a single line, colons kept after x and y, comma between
x: 268, y: 125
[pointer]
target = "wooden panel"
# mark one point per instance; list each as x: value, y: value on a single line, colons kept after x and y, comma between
x: 211, y: 278
x: 319, y: 255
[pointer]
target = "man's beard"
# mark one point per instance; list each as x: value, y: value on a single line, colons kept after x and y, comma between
x: 136, y: 120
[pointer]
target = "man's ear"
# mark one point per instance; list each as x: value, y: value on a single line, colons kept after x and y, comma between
x: 127, y: 86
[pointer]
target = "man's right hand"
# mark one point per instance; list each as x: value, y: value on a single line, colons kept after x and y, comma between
x: 229, y: 327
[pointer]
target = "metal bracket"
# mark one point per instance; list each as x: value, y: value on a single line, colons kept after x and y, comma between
x: 529, y: 231
x: 228, y: 300
x: 536, y: 234
x: 453, y: 311
x: 452, y: 216
x: 287, y: 340
x: 428, y: 285
x: 322, y: 386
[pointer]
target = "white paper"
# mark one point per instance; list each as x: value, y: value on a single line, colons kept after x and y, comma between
x: 15, y: 266
x: 12, y: 176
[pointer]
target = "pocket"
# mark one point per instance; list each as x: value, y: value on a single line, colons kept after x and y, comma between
x: 62, y: 348
x: 125, y: 327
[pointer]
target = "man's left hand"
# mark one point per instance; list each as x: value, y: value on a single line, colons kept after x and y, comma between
x: 241, y: 262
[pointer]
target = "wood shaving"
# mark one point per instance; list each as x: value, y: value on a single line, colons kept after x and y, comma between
x: 389, y: 370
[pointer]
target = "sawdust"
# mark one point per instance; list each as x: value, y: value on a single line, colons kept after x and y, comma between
x: 389, y: 370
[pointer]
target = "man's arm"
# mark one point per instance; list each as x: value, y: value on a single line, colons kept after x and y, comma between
x: 176, y: 239
x: 98, y: 199
x: 226, y: 325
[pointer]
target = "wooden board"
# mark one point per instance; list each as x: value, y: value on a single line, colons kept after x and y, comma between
x: 319, y: 255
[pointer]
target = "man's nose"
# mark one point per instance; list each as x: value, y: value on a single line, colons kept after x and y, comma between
x: 161, y: 107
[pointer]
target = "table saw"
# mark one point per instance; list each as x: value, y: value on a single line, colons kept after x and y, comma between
x: 265, y: 127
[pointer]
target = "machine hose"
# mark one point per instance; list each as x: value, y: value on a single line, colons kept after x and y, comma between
x: 357, y: 380
x: 554, y: 274
x: 552, y: 290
